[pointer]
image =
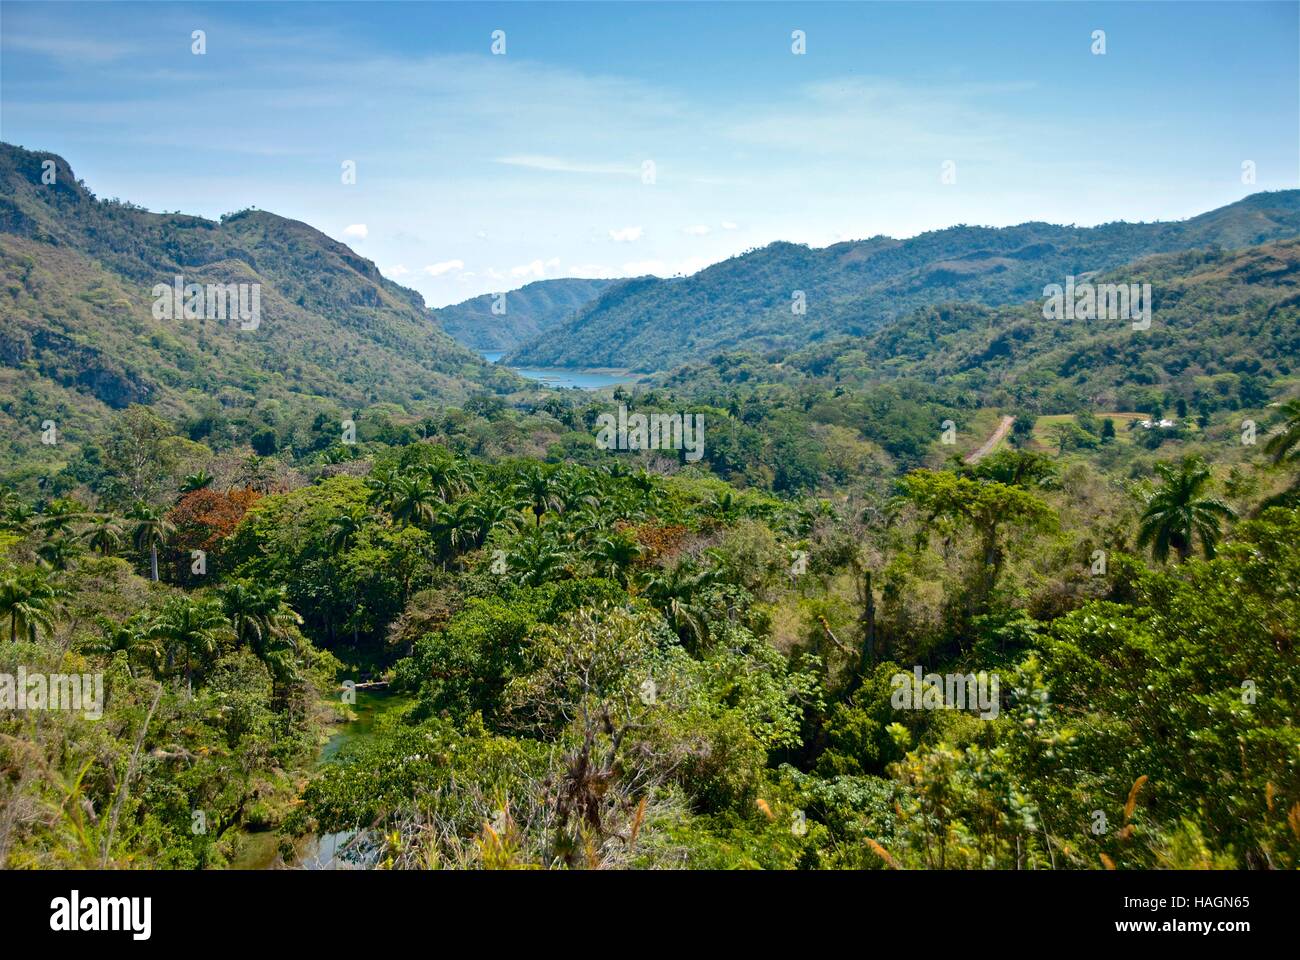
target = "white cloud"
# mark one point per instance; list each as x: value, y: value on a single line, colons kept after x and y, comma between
x: 728, y: 225
x: 397, y: 271
x: 698, y: 230
x: 446, y: 266
x: 625, y: 235
x: 537, y: 268
x: 358, y: 230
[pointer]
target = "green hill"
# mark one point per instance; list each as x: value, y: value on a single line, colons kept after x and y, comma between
x: 1223, y: 325
x: 529, y: 311
x: 854, y: 288
x: 79, y: 337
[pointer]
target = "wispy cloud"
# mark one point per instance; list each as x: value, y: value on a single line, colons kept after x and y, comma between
x: 74, y: 49
x: 560, y: 165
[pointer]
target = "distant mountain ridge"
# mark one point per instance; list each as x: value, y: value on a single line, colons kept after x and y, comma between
x: 852, y: 288
x: 529, y: 311
x: 1224, y: 333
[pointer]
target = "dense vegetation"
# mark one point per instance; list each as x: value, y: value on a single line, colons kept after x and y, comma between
x: 610, y: 667
x: 592, y: 658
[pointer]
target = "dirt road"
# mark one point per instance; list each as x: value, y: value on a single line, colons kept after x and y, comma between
x: 992, y: 441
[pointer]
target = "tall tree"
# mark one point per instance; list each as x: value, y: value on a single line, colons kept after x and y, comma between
x: 27, y: 599
x: 137, y: 456
x: 192, y: 626
x: 988, y: 506
x: 1179, y: 513
x: 414, y: 501
x: 538, y: 490
x: 615, y: 555
x: 104, y: 534
x: 150, y: 530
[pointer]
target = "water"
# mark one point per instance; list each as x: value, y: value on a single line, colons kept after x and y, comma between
x: 565, y: 377
x: 261, y: 850
x: 322, y: 853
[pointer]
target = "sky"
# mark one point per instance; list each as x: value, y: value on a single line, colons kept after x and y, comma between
x: 619, y: 139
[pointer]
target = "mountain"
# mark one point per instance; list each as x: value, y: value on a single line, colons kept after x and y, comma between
x: 81, y: 335
x: 853, y: 288
x: 1224, y: 333
x: 529, y: 312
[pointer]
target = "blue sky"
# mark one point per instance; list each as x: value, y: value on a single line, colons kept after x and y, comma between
x: 477, y: 173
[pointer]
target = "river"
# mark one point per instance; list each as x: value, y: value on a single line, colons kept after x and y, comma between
x: 565, y: 376
x: 261, y: 850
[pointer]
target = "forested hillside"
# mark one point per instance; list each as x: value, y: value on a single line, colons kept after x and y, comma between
x: 523, y: 314
x: 747, y: 302
x: 1225, y: 330
x: 79, y: 339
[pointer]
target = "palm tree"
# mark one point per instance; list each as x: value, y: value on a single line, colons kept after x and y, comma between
x: 1284, y: 448
x: 262, y: 618
x: 537, y: 488
x: 151, y: 531
x: 448, y: 477
x: 18, y: 517
x: 458, y: 525
x: 194, y: 626
x: 130, y: 637
x: 58, y: 552
x: 380, y: 484
x: 674, y: 592
x: 28, y: 600
x: 199, y: 480
x: 577, y: 490
x: 495, y: 511
x: 414, y: 501
x: 615, y: 555
x: 104, y: 534
x: 1178, y: 513
x: 59, y: 516
x: 535, y: 558
x: 724, y: 507
x: 342, y: 532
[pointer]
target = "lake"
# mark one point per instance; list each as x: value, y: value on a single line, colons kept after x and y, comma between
x: 565, y: 377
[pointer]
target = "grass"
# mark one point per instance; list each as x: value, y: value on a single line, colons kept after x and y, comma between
x: 1045, y: 441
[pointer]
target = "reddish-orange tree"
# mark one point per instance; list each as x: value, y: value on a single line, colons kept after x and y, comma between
x: 203, y: 519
